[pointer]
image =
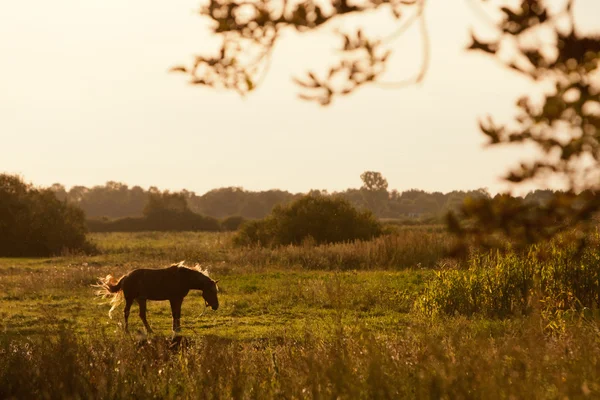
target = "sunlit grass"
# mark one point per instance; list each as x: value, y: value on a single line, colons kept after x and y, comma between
x: 296, y: 322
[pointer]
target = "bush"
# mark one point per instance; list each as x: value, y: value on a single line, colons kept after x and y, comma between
x: 554, y: 278
x: 34, y: 223
x: 232, y: 223
x: 493, y: 286
x: 163, y: 212
x: 312, y: 219
x: 167, y: 221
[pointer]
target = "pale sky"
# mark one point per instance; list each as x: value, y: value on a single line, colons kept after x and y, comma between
x: 86, y: 97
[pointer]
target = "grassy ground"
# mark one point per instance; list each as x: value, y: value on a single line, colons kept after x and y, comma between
x: 285, y: 329
x: 253, y: 304
x: 255, y: 301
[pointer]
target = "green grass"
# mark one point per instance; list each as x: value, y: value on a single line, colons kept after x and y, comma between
x: 253, y: 304
x: 285, y: 329
x: 256, y: 302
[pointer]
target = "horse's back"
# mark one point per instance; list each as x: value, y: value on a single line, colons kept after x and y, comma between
x: 152, y: 284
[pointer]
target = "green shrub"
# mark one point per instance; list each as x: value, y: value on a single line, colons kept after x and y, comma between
x: 494, y: 286
x: 163, y: 212
x: 33, y: 222
x: 232, y: 223
x: 167, y: 222
x: 311, y: 219
x: 554, y: 278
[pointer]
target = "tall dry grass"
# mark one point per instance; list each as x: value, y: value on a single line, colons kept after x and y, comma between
x: 558, y: 278
x: 415, y: 248
x: 452, y: 360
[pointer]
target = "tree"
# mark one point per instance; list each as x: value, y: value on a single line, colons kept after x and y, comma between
x: 33, y: 222
x: 59, y: 191
x: 164, y: 204
x: 374, y: 191
x: 318, y: 218
x: 374, y: 181
x: 542, y: 44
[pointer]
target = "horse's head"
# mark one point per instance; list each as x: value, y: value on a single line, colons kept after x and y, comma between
x: 209, y: 293
x: 197, y: 278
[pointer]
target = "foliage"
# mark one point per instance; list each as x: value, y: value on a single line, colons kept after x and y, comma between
x: 232, y: 223
x: 554, y: 278
x: 313, y: 218
x: 256, y: 232
x: 374, y: 181
x: 493, y: 286
x: 33, y: 222
x: 250, y: 31
x: 115, y: 200
x: 537, y: 39
x: 163, y: 212
x: 232, y: 201
x: 186, y: 221
x: 166, y: 204
x: 563, y: 127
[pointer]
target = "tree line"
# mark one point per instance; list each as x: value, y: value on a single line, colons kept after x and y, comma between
x: 116, y: 200
x: 50, y: 221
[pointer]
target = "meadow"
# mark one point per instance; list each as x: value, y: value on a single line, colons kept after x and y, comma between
x: 332, y: 321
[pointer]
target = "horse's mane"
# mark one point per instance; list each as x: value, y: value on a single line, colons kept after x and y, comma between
x: 197, y: 268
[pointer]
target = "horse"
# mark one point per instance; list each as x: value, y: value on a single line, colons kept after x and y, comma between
x: 172, y: 283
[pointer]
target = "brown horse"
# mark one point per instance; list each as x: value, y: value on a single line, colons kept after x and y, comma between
x: 172, y: 283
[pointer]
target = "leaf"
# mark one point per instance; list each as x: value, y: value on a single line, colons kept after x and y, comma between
x: 517, y: 68
x: 514, y: 178
x: 332, y: 72
x: 386, y: 56
x: 491, y: 131
x: 347, y: 44
x: 512, y: 16
x: 179, y: 68
x: 534, y: 57
x: 249, y: 83
x: 307, y: 97
x: 310, y: 85
x: 490, y: 48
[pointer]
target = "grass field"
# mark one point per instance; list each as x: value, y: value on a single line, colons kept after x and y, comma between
x: 301, y: 322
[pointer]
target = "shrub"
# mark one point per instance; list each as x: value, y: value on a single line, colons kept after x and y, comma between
x: 167, y: 221
x: 163, y: 212
x: 312, y: 219
x: 232, y: 223
x: 34, y: 223
x: 554, y: 278
x: 494, y: 286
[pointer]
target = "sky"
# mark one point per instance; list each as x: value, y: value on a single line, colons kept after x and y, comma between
x: 86, y: 98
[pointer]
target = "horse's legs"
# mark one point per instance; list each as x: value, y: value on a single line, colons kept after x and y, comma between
x: 176, y: 312
x: 128, y: 303
x: 142, y: 303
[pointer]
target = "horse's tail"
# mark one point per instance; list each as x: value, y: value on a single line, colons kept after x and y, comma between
x: 110, y: 287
